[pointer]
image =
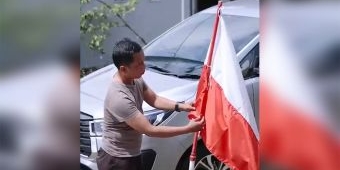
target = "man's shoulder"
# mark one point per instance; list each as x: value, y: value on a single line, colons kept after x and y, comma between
x: 115, y: 92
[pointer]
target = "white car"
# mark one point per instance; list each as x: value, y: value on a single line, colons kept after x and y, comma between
x: 174, y: 61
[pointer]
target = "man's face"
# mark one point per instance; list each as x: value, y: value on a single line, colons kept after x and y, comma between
x: 137, y: 68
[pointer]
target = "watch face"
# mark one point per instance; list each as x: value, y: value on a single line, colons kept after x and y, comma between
x: 176, y: 107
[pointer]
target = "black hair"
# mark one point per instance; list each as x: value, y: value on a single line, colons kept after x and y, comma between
x: 123, y: 52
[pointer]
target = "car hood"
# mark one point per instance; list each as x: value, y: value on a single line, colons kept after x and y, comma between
x: 93, y: 89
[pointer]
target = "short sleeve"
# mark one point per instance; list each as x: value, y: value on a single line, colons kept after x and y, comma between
x: 122, y: 107
x: 145, y: 86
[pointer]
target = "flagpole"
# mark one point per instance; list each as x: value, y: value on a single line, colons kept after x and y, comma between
x: 213, y: 38
x: 212, y: 46
x: 193, y: 152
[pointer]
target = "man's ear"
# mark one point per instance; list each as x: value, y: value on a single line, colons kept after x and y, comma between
x: 122, y: 68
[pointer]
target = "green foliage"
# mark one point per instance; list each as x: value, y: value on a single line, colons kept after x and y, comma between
x: 98, y: 21
x: 86, y: 71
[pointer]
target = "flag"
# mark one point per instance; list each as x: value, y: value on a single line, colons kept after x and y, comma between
x: 296, y: 130
x: 230, y: 133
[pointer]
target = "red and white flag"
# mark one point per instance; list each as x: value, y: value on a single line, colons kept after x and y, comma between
x: 231, y: 133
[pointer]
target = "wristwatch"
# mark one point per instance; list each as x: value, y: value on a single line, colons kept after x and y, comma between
x: 177, y: 107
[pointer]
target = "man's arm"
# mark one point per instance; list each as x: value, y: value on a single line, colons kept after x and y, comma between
x: 142, y: 125
x: 162, y: 103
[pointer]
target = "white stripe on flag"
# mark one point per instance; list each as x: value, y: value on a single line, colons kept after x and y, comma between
x: 227, y: 73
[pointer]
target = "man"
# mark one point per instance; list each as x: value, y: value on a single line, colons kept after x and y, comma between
x: 124, y: 122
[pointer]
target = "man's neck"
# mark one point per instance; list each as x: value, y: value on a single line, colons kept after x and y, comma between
x: 120, y: 78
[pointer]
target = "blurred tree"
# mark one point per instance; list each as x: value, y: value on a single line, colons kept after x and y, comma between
x: 97, y: 21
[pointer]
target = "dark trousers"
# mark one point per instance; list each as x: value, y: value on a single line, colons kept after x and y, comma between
x: 107, y: 162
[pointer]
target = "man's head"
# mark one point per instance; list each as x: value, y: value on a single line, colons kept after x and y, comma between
x: 128, y: 57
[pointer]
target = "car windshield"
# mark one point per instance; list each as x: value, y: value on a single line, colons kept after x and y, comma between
x: 182, y: 50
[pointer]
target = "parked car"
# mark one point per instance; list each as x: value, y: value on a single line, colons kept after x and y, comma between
x: 174, y: 61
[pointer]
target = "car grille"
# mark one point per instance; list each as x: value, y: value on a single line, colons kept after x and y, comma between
x: 85, y: 140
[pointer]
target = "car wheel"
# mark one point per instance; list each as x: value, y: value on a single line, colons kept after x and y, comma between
x: 204, y: 160
x: 210, y: 162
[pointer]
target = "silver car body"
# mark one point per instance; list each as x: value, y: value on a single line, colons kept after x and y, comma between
x: 168, y: 151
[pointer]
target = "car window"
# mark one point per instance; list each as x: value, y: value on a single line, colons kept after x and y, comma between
x: 182, y: 50
x: 250, y: 63
x: 191, y: 38
x: 169, y: 43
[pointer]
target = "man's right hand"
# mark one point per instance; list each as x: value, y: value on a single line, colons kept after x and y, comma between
x: 196, y: 124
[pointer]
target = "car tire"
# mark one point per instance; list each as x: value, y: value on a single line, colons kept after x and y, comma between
x: 202, y: 154
x: 201, y: 151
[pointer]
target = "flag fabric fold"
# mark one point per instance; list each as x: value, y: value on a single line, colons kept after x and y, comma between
x: 231, y: 133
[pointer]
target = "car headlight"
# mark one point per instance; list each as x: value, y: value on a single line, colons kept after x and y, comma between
x: 97, y: 127
x: 156, y: 116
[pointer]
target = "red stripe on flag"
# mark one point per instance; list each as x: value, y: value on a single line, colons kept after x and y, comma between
x: 227, y: 135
